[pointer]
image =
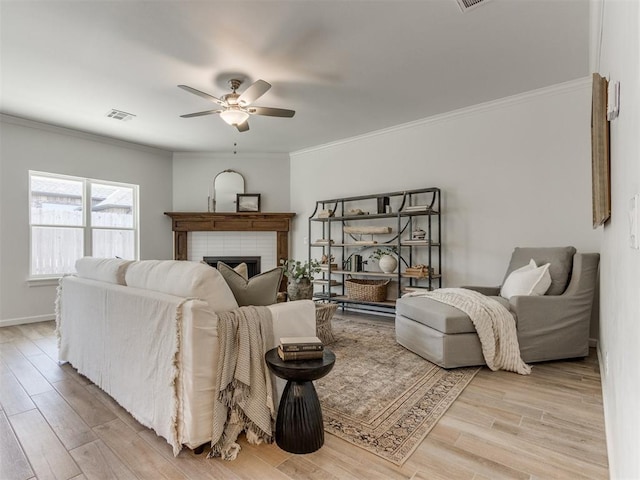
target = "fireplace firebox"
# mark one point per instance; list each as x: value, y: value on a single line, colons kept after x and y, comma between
x: 253, y: 263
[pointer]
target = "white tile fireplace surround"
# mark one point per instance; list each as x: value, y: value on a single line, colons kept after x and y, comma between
x: 233, y: 244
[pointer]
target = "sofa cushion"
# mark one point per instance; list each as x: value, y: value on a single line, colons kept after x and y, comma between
x: 110, y: 270
x: 437, y: 315
x: 260, y: 289
x: 527, y: 280
x: 560, y: 258
x: 183, y: 279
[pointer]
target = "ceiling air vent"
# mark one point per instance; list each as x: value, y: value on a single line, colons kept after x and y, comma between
x: 470, y: 4
x: 120, y: 115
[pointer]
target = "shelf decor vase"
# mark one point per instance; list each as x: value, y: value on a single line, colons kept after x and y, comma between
x: 388, y: 263
x: 302, y: 290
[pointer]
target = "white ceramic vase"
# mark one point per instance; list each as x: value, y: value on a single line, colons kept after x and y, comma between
x: 388, y: 263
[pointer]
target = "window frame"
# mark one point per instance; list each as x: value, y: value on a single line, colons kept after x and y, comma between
x: 86, y: 225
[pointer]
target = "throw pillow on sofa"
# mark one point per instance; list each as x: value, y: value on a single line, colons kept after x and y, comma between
x: 527, y: 280
x: 261, y: 289
x: 241, y: 268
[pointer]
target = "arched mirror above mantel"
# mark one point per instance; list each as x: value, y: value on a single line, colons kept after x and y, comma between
x: 226, y: 185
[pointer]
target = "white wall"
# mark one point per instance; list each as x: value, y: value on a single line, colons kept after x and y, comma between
x: 25, y: 146
x: 620, y: 265
x: 265, y: 173
x: 516, y: 172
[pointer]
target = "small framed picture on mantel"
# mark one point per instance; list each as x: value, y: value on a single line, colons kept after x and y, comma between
x: 248, y: 202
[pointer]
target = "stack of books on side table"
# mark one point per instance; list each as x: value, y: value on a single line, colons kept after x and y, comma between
x: 300, y: 348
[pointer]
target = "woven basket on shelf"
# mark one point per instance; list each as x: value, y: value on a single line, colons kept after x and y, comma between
x: 366, y: 290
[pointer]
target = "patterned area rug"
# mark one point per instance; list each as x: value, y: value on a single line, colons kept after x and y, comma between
x: 380, y: 396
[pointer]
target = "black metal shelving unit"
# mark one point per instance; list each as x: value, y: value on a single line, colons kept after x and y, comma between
x: 404, y: 211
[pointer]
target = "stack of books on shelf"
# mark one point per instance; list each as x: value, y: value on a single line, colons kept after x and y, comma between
x: 415, y: 208
x: 418, y: 271
x: 300, y: 348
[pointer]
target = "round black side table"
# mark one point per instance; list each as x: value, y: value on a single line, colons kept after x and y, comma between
x: 299, y: 427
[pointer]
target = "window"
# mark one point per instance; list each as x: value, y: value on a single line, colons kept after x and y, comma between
x: 71, y: 217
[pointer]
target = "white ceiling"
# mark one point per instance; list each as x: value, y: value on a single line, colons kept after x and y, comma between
x: 347, y: 67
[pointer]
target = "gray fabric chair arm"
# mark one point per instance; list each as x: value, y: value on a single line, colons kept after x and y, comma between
x: 488, y: 291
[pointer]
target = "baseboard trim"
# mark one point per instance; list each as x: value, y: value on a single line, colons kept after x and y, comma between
x: 23, y: 320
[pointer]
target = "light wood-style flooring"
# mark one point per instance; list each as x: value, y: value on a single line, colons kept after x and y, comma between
x: 55, y: 424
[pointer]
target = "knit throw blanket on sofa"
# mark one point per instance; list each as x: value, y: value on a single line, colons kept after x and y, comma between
x: 245, y: 399
x: 494, y: 324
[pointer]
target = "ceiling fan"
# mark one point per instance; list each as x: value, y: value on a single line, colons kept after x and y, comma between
x: 236, y: 107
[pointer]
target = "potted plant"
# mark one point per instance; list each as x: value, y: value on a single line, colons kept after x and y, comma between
x: 386, y: 258
x: 300, y: 275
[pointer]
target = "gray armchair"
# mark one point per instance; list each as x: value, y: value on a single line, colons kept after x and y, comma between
x: 550, y: 327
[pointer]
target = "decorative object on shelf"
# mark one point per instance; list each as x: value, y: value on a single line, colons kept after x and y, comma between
x: 383, y: 205
x: 409, y: 241
x: 418, y: 234
x: 416, y: 208
x: 418, y: 271
x: 248, y: 202
x: 368, y: 230
x: 325, y: 214
x: 386, y: 258
x: 300, y: 275
x: 354, y: 263
x: 326, y: 263
x: 366, y: 290
x: 356, y: 211
x: 388, y: 264
x: 325, y: 266
x: 327, y: 258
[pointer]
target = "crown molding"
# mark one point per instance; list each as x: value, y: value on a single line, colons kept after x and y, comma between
x: 557, y: 89
x: 25, y: 122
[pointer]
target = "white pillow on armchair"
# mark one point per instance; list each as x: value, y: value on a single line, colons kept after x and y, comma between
x: 529, y: 280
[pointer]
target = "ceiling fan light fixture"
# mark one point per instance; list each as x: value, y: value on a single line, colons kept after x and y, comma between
x: 234, y: 116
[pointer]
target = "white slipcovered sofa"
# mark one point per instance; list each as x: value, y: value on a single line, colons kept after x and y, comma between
x: 146, y: 333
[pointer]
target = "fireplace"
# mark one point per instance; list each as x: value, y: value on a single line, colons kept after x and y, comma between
x: 185, y: 224
x: 253, y: 263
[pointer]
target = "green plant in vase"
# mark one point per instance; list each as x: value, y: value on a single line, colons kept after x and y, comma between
x: 300, y: 275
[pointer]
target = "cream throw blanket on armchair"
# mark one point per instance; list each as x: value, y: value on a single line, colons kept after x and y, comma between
x: 245, y: 398
x: 494, y: 324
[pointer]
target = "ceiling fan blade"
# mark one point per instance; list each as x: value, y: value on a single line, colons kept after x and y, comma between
x: 255, y: 91
x: 206, y: 96
x: 243, y: 127
x: 272, y: 112
x: 200, y: 114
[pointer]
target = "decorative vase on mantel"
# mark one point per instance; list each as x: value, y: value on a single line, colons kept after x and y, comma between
x: 388, y: 263
x: 300, y: 290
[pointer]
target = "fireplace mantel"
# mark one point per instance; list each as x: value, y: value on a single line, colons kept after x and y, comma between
x: 183, y: 222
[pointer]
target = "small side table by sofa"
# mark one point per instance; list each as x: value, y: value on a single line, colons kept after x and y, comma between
x: 299, y: 427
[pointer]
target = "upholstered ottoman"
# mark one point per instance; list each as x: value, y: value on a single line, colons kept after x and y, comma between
x: 440, y: 333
